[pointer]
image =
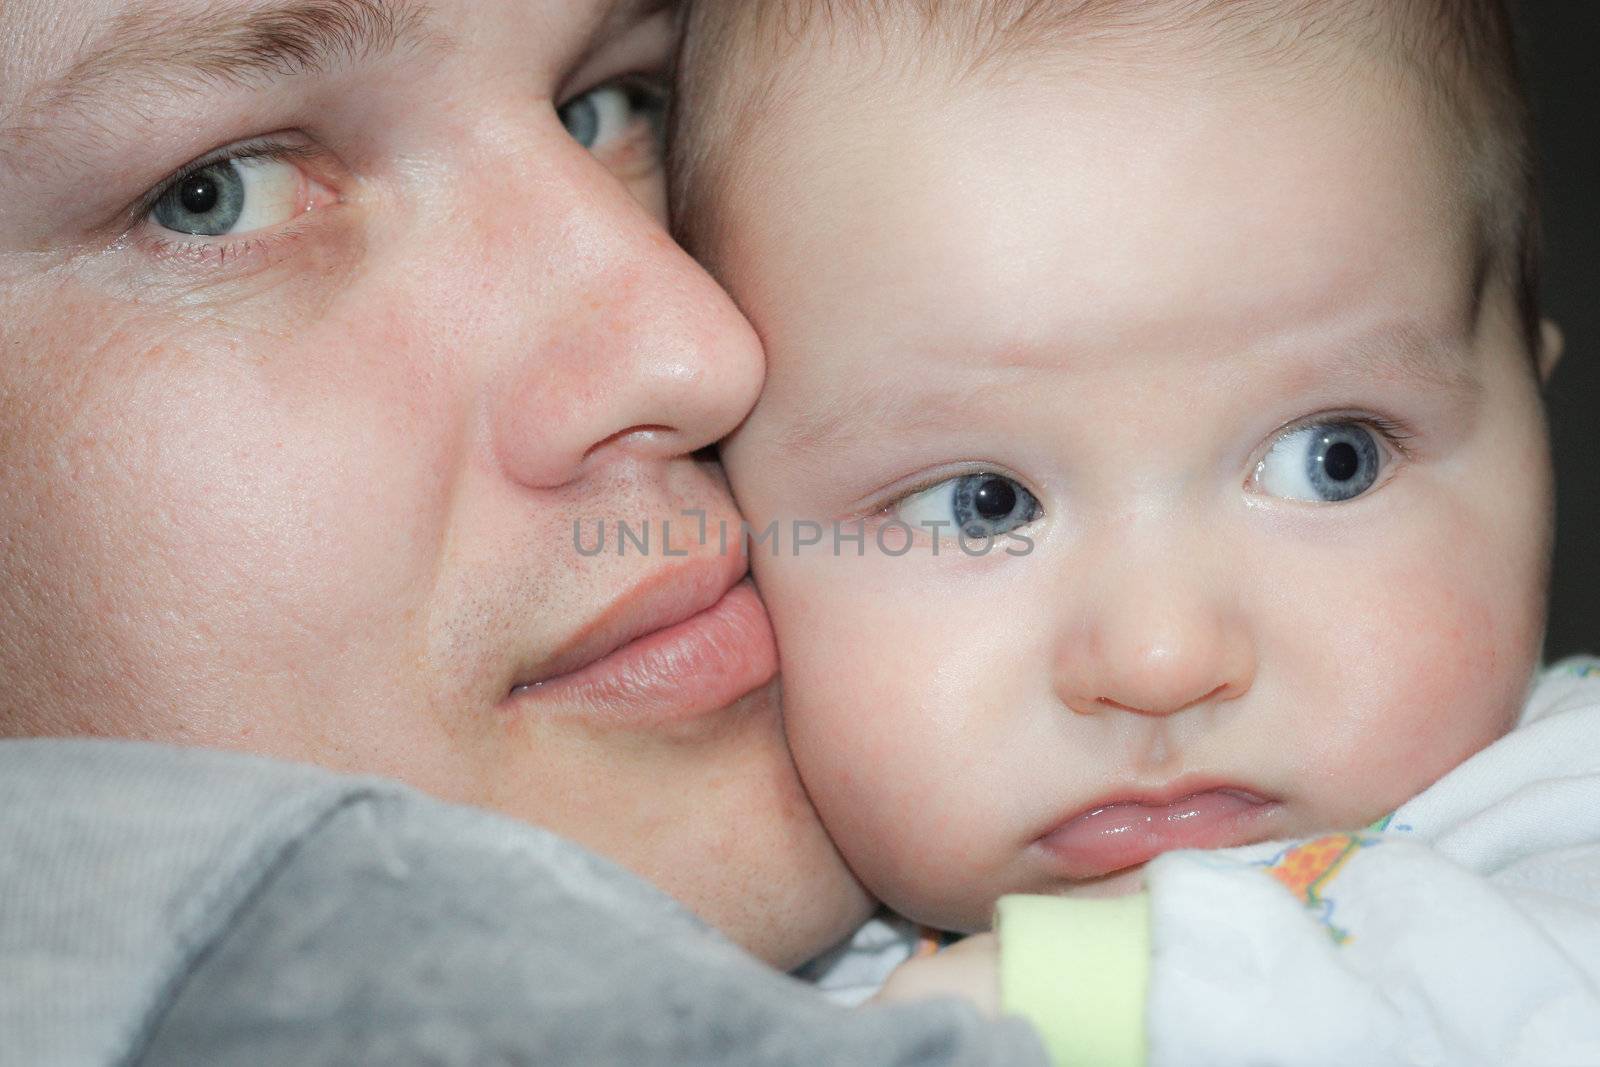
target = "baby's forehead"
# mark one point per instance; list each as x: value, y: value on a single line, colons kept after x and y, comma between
x: 921, y: 254
x: 808, y: 87
x: 1453, y: 40
x: 1103, y: 213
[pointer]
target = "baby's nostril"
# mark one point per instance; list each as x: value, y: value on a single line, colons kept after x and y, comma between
x: 1119, y: 706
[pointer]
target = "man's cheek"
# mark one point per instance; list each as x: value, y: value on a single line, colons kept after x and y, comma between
x: 196, y: 471
x: 274, y: 284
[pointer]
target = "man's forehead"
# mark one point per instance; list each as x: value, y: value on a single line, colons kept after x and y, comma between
x: 41, y: 39
x: 67, y: 71
x: 38, y: 37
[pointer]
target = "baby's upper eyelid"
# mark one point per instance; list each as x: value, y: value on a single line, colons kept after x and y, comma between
x: 899, y: 496
x: 1391, y: 431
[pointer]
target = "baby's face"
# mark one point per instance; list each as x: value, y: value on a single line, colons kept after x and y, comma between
x: 1217, y: 350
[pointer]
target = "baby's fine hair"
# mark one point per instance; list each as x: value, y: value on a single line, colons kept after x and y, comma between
x: 1460, y: 54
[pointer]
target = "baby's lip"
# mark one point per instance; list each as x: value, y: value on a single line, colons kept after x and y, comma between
x: 1130, y: 828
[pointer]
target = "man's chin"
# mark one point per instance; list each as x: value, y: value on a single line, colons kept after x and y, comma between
x: 806, y: 900
x: 788, y: 933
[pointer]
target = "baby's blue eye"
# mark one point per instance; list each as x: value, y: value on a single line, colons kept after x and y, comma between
x: 979, y: 506
x: 1328, y: 463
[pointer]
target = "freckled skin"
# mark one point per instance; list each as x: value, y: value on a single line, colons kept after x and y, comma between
x: 318, y: 503
x: 1139, y: 284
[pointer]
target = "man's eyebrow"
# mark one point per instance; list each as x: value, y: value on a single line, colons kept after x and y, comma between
x: 224, y: 43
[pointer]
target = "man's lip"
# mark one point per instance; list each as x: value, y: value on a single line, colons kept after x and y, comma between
x: 669, y: 596
x: 1132, y: 827
x: 674, y: 676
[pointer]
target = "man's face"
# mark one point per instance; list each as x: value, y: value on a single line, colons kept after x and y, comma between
x: 1216, y: 346
x: 321, y: 327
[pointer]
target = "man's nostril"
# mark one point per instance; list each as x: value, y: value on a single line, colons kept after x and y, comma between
x: 632, y: 433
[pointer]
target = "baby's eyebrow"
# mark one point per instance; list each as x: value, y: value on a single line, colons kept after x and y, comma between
x: 839, y: 423
x: 1407, y: 351
x: 1425, y: 357
x: 162, y: 45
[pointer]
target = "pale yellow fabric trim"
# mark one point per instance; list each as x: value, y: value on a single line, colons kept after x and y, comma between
x: 1079, y: 971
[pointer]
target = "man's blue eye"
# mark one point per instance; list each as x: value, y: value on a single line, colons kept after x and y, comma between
x: 582, y: 119
x: 232, y: 196
x: 977, y: 506
x: 597, y: 118
x: 208, y: 202
x: 1326, y: 463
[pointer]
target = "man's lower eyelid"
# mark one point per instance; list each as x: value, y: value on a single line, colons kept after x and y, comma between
x: 213, y: 254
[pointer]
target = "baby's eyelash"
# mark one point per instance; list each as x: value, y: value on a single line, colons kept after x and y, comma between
x: 922, y: 485
x: 1397, y: 434
x: 1393, y: 431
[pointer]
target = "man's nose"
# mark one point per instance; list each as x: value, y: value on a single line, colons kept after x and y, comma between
x: 1150, y: 634
x: 614, y: 340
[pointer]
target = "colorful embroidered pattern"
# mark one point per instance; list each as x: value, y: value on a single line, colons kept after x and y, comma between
x: 930, y: 941
x: 1307, y: 870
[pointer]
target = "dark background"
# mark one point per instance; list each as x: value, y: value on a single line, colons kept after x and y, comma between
x: 1561, y: 41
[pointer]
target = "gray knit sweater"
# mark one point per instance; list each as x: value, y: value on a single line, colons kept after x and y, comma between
x: 170, y: 906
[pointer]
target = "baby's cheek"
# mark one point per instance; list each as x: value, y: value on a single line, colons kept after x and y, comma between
x: 856, y: 745
x: 875, y: 746
x: 1440, y: 669
x: 1453, y: 699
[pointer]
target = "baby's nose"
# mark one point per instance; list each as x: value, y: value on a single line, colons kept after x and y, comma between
x: 1153, y: 648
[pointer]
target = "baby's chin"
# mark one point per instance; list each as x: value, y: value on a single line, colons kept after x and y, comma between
x: 1117, y: 884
